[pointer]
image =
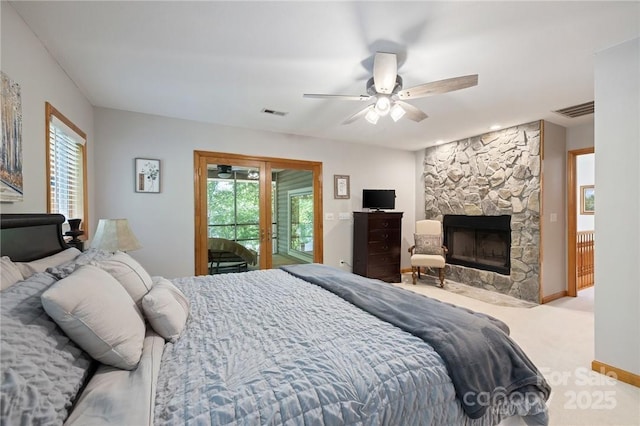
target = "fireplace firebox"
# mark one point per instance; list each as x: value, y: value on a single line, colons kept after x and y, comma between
x: 481, y: 242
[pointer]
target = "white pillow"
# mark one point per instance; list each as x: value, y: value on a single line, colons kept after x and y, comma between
x: 29, y: 268
x: 129, y: 273
x: 9, y: 273
x: 166, y: 308
x: 97, y: 313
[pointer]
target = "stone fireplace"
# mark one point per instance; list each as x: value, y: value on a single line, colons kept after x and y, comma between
x: 496, y: 174
x: 481, y: 242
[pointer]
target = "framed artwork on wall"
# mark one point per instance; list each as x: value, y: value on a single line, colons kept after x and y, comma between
x: 11, y: 148
x: 147, y: 175
x: 587, y: 199
x: 341, y: 186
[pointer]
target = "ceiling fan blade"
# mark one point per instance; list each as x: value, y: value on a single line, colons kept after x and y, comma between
x: 440, y: 86
x: 385, y: 71
x: 358, y: 115
x: 337, y: 97
x: 411, y: 112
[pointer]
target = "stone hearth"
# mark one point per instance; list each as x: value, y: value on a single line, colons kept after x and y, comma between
x: 493, y: 174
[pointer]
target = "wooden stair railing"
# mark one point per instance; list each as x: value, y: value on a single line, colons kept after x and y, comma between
x: 584, y: 260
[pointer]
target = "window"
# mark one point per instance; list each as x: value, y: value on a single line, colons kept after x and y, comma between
x: 66, y: 167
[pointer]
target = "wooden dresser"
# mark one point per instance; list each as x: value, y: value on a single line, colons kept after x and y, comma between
x: 377, y: 237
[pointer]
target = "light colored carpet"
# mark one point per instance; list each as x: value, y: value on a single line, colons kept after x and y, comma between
x: 558, y: 337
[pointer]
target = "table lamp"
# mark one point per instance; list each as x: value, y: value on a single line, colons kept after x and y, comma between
x: 113, y: 235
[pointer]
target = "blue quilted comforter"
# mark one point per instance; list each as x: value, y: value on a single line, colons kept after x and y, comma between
x: 267, y: 348
x: 483, y: 362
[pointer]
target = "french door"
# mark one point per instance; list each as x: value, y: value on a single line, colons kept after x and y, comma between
x: 255, y: 212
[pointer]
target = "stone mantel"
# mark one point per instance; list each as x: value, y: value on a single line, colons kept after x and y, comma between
x: 493, y: 174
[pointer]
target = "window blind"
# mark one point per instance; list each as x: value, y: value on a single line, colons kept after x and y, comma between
x: 66, y: 150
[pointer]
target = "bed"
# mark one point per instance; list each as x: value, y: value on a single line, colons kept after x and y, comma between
x: 308, y: 345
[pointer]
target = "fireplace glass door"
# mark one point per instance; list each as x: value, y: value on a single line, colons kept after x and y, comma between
x: 481, y: 242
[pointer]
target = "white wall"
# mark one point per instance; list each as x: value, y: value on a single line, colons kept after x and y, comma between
x: 553, y: 214
x: 585, y: 175
x: 617, y: 224
x: 164, y: 223
x: 41, y: 80
x: 580, y: 136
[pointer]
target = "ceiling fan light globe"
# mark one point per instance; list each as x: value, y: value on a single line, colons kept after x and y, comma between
x: 372, y: 116
x: 396, y: 112
x: 224, y: 175
x: 383, y: 105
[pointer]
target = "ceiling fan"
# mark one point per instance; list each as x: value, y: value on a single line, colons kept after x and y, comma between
x: 224, y: 171
x: 385, y: 89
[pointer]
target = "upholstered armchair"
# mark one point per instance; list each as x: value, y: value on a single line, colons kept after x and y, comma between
x: 428, y: 250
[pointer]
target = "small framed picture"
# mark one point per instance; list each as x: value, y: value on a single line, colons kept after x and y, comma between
x: 147, y: 175
x: 587, y: 199
x: 341, y: 186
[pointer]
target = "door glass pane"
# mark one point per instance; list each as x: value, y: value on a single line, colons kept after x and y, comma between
x: 301, y: 222
x: 293, y: 211
x: 233, y: 212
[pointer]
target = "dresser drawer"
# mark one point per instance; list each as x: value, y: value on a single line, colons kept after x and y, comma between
x: 384, y: 223
x: 391, y: 236
x: 383, y: 247
x: 389, y: 273
x: 389, y: 258
x: 394, y: 278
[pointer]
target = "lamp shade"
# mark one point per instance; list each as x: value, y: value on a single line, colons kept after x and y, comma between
x: 113, y: 235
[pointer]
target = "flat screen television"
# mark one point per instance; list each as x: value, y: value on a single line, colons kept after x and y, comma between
x: 379, y: 199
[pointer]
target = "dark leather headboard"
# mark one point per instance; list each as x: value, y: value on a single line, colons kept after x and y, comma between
x: 28, y: 236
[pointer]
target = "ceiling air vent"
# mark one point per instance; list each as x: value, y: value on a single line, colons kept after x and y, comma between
x: 274, y: 112
x: 577, y: 110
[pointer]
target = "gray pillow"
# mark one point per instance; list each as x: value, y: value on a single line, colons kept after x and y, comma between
x: 428, y: 244
x: 86, y: 257
x: 29, y: 268
x: 9, y: 272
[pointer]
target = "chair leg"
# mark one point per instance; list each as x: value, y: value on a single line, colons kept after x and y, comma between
x: 441, y: 275
x: 419, y: 272
x: 413, y: 274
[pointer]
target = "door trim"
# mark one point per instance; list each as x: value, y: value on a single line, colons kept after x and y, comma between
x: 200, y: 161
x: 572, y: 219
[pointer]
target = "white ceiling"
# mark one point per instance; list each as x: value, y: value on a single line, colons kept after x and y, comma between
x: 223, y: 62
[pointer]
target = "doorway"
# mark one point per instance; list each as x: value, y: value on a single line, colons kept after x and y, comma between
x: 580, y: 220
x: 255, y: 212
